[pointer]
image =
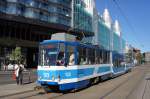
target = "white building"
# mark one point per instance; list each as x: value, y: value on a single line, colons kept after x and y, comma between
x: 117, y: 28
x: 107, y: 18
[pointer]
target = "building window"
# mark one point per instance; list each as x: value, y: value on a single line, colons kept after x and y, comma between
x: 11, y: 0
x: 43, y: 16
x: 32, y: 3
x: 11, y: 8
x: 31, y: 13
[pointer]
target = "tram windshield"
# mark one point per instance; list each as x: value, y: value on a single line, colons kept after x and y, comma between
x: 48, y: 54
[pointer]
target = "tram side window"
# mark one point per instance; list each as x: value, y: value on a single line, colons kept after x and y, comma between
x: 70, y: 55
x: 101, y: 57
x: 61, y: 55
x: 105, y: 57
x: 88, y: 56
x: 108, y: 57
x: 91, y: 56
x: 117, y: 62
x: 97, y: 57
x: 82, y: 60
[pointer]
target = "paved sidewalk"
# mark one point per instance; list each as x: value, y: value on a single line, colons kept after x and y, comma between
x: 11, y: 71
x: 12, y: 89
x: 6, y: 77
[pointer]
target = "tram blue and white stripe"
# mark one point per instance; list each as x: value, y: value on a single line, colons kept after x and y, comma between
x: 71, y: 67
x: 72, y: 80
x: 72, y: 74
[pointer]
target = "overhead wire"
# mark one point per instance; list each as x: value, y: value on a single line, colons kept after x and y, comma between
x: 128, y: 22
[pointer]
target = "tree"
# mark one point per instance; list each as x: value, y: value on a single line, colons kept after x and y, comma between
x: 16, y: 55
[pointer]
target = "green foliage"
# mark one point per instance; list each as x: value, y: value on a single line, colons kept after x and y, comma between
x: 16, y: 55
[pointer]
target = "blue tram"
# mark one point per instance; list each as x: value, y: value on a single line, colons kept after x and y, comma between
x: 67, y: 65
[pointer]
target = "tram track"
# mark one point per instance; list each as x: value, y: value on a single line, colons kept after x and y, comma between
x: 121, y: 84
x: 102, y: 84
x: 145, y: 89
x: 135, y: 86
x: 147, y: 78
x: 108, y: 93
x: 14, y: 94
x: 31, y: 94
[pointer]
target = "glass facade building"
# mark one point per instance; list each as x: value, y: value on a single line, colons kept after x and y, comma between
x: 68, y: 13
x: 123, y: 45
x: 25, y: 23
x: 116, y: 42
x: 107, y: 39
x: 51, y: 11
x: 104, y: 35
x: 82, y: 20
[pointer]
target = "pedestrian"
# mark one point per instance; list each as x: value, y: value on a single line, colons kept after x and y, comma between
x: 72, y: 59
x: 21, y: 68
x: 19, y: 73
x: 4, y: 67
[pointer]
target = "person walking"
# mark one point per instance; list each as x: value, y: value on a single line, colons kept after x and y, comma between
x: 19, y: 73
x: 21, y: 68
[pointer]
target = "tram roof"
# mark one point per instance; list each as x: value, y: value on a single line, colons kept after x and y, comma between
x: 73, y: 43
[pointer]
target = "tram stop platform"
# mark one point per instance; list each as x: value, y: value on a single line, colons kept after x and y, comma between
x: 14, y: 89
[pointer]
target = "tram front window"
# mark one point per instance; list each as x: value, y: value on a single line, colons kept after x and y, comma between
x: 60, y: 59
x: 48, y: 55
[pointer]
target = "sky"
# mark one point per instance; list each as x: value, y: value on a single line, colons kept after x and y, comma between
x: 137, y: 12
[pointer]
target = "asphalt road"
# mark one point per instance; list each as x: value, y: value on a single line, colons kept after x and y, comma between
x: 133, y: 85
